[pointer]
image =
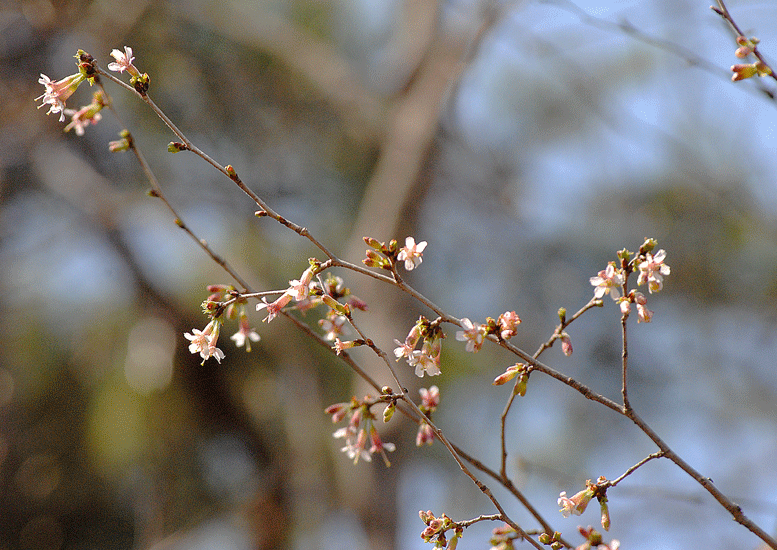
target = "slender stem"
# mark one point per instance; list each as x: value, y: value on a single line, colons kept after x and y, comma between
x: 634, y: 468
x: 625, y: 351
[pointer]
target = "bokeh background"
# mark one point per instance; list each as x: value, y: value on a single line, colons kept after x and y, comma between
x: 525, y: 141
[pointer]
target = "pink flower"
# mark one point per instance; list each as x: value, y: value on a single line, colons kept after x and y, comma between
x: 425, y: 434
x: 204, y: 342
x: 609, y: 281
x: 508, y: 322
x: 378, y: 446
x: 653, y: 270
x: 274, y: 308
x: 473, y: 334
x: 340, y: 345
x: 81, y: 119
x: 411, y: 253
x: 411, y: 340
x: 123, y: 62
x: 300, y: 288
x: 57, y: 92
x: 245, y: 334
x: 355, y: 449
x: 566, y: 344
x: 575, y: 505
x: 430, y: 398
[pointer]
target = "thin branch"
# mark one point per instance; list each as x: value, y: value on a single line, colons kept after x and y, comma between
x: 734, y: 509
x: 156, y: 191
x: 634, y: 468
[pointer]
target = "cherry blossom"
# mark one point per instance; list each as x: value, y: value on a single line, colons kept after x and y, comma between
x: 378, y: 446
x: 609, y: 281
x: 57, y: 92
x: 204, y: 341
x: 245, y: 334
x: 653, y: 270
x: 300, y: 288
x: 575, y: 505
x: 123, y: 62
x: 424, y: 363
x: 430, y: 398
x: 508, y: 322
x: 473, y: 334
x: 411, y: 253
x: 644, y: 314
x: 274, y: 308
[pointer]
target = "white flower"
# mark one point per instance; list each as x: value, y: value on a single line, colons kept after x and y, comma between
x: 472, y: 334
x: 411, y: 253
x: 609, y: 281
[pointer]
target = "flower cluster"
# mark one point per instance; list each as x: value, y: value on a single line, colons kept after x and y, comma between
x: 430, y: 399
x: 577, y: 503
x: 612, y: 280
x: 359, y: 431
x: 57, y: 92
x: 386, y: 256
x: 427, y: 359
x: 224, y: 302
x: 204, y: 341
x: 436, y: 529
x: 742, y: 71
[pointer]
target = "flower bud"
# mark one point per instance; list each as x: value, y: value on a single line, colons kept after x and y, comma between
x: 388, y: 412
x: 605, y: 513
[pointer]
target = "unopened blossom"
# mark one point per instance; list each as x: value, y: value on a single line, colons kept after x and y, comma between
x: 204, y: 341
x: 652, y: 271
x: 575, y: 505
x: 473, y: 334
x: 58, y: 91
x: 338, y: 411
x: 123, y: 62
x: 411, y: 253
x: 508, y: 375
x: 274, y: 308
x: 608, y: 281
x: 644, y: 314
x: 566, y: 344
x: 595, y: 541
x: 508, y: 322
